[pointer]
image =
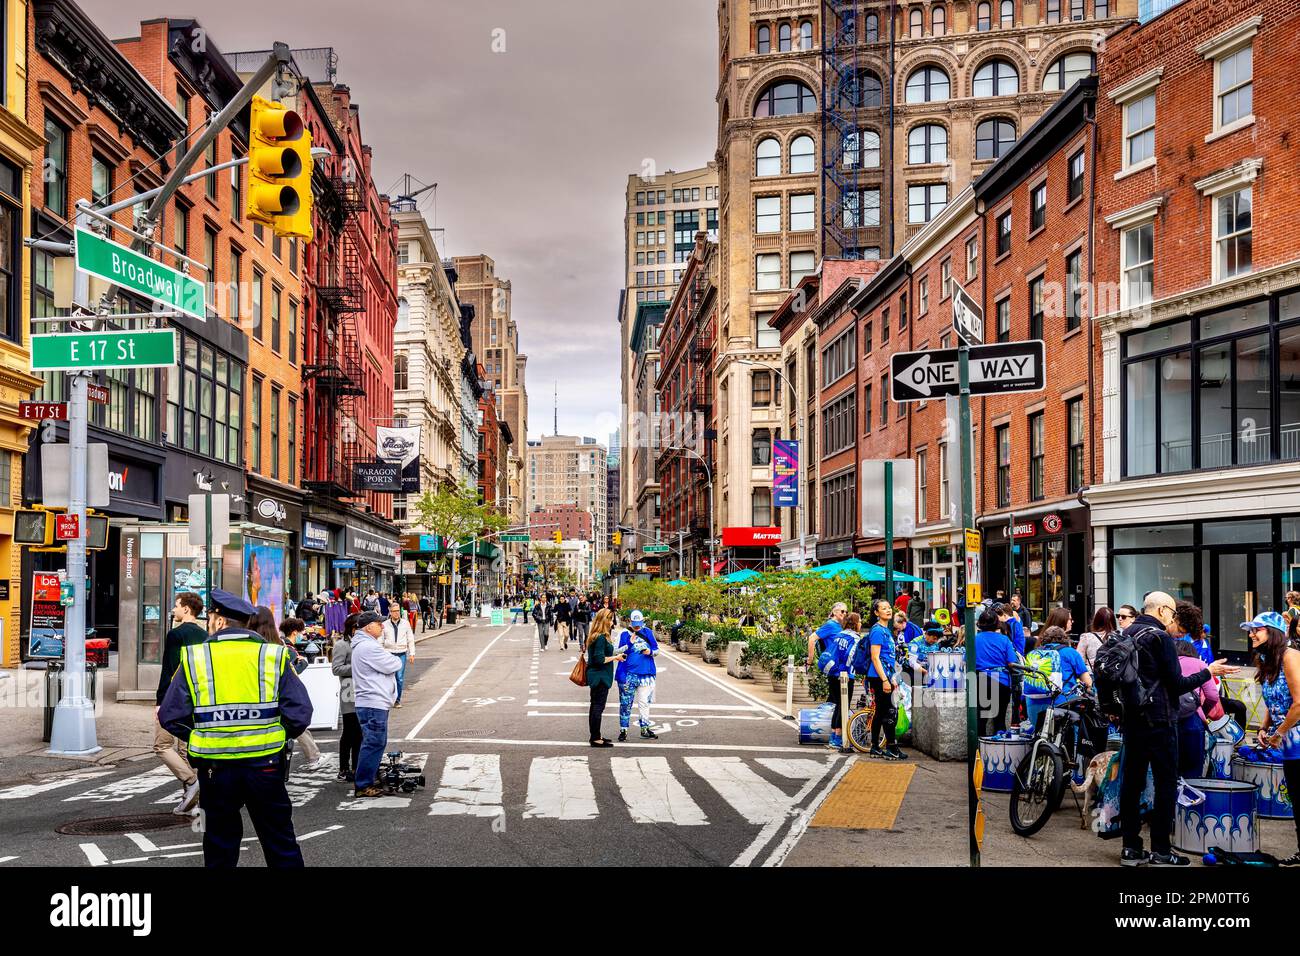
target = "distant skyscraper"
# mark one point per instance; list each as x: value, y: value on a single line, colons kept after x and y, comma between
x: 615, y: 448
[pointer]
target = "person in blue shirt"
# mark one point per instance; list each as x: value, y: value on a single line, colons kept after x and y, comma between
x: 1204, y: 648
x: 880, y: 675
x: 904, y: 630
x: 635, y: 676
x: 1016, y: 628
x: 993, y: 652
x: 920, y: 648
x: 834, y: 624
x: 1065, y: 662
x: 835, y: 663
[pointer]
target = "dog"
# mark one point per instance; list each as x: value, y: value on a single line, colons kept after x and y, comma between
x: 1091, y: 788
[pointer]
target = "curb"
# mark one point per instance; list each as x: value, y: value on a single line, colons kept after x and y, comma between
x: 439, y: 632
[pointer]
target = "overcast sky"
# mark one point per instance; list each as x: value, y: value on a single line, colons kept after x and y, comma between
x: 530, y: 147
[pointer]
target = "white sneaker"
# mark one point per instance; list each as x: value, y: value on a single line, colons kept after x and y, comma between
x: 314, y: 765
x: 189, y: 798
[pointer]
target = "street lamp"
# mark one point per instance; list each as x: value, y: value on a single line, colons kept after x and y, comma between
x: 709, y: 473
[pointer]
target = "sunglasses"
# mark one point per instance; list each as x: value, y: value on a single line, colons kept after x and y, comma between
x: 1123, y: 616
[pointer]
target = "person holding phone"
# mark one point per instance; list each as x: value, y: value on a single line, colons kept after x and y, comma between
x: 880, y: 675
x: 601, y: 658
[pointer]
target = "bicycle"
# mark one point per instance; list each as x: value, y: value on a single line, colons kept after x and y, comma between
x: 858, y: 728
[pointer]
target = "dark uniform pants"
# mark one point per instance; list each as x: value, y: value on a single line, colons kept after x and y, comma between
x: 225, y: 787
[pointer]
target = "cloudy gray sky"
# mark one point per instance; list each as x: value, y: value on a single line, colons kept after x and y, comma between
x: 530, y: 147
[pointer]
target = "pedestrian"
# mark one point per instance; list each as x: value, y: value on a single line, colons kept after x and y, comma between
x: 1022, y: 612
x: 1196, y: 708
x: 308, y: 609
x: 412, y: 609
x: 582, y: 619
x: 835, y: 662
x: 1292, y: 612
x: 1151, y: 734
x: 602, y: 657
x: 880, y: 676
x: 638, y: 646
x: 544, y: 616
x: 916, y: 609
x: 399, y: 640
x: 1010, y: 624
x: 263, y: 622
x: 341, y: 665
x: 1278, y: 674
x: 426, y: 612
x: 1103, y: 626
x: 1060, y: 617
x: 1055, y: 670
x: 336, y: 612
x: 370, y: 602
x: 374, y: 682
x: 384, y: 602
x: 817, y: 640
x: 168, y: 748
x: 920, y: 648
x: 563, y: 617
x: 241, y: 762
x: 993, y: 652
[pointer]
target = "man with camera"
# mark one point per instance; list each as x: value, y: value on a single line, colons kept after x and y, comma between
x: 374, y: 685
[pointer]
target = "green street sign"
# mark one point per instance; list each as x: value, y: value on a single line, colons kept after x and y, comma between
x: 515, y: 537
x: 83, y: 351
x: 116, y: 263
x: 656, y: 549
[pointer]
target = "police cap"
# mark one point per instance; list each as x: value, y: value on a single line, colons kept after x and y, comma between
x: 231, y: 605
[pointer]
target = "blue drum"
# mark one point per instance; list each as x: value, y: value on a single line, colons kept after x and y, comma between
x: 1220, y: 813
x: 1274, y: 798
x: 947, y: 670
x: 815, y: 724
x: 1225, y: 728
x: 1219, y: 752
x: 1001, y: 756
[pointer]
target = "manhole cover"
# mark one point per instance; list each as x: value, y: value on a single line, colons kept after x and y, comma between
x: 465, y: 733
x: 131, y: 823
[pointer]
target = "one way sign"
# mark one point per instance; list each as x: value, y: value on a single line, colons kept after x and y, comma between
x: 1002, y: 367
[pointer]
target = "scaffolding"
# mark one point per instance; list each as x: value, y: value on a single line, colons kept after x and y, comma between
x: 857, y: 128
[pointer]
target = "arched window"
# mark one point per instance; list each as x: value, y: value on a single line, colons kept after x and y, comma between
x: 996, y: 78
x: 1068, y: 70
x: 801, y: 155
x: 1008, y: 14
x: 927, y: 144
x: 927, y: 84
x: 862, y: 150
x: 939, y: 21
x: 768, y: 158
x: 785, y: 98
x: 861, y: 90
x: 806, y: 35
x: 994, y: 137
x: 983, y: 17
x: 764, y: 39
x: 873, y: 28
x: 916, y: 23
x: 400, y: 376
x: 403, y: 316
x: 784, y: 38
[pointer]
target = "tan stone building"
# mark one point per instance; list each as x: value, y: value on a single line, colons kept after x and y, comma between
x: 568, y: 470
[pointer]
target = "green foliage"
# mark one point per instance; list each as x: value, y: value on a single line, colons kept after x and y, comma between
x: 456, y: 513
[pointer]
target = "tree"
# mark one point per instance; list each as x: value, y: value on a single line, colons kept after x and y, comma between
x: 457, y: 515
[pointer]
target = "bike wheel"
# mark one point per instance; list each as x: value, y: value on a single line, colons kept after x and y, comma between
x: 859, y: 730
x: 1036, y: 791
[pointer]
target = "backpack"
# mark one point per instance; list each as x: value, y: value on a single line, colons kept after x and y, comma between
x: 1042, y: 663
x: 1115, y: 670
x: 860, y: 659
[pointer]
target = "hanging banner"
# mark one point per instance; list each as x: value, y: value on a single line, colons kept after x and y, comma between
x: 377, y: 476
x: 402, y: 446
x: 785, y: 473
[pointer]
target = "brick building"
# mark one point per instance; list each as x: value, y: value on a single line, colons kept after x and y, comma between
x: 494, y: 441
x: 573, y: 522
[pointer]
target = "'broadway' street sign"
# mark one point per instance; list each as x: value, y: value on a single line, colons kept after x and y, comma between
x: 1002, y: 367
x: 116, y: 263
x: 81, y: 351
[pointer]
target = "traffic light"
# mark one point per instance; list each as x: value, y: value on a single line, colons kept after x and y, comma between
x: 618, y: 538
x: 279, y: 170
x: 34, y: 528
x: 557, y: 536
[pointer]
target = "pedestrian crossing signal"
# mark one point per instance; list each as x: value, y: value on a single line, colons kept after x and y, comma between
x: 557, y: 536
x: 279, y: 170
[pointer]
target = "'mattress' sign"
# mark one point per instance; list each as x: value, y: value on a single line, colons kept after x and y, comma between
x: 751, y: 537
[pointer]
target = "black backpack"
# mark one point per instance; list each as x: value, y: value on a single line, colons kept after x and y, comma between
x: 1115, y: 669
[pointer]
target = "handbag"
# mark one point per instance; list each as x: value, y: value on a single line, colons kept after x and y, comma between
x: 579, y: 673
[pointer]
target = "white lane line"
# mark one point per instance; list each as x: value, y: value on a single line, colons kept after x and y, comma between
x: 122, y: 790
x: 376, y: 803
x: 560, y: 788
x: 794, y: 769
x: 142, y: 841
x: 452, y: 689
x: 653, y: 794
x: 94, y: 854
x: 471, y: 786
x: 316, y: 833
x: 662, y: 717
x: 656, y: 745
x: 782, y: 850
x: 6, y: 859
x: 613, y: 705
x: 24, y: 790
x: 772, y: 829
x: 738, y: 694
x: 754, y: 798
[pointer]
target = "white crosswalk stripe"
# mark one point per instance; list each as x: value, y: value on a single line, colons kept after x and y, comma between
x: 653, y: 794
x: 23, y: 790
x: 121, y: 790
x: 387, y: 803
x: 560, y: 788
x: 749, y: 794
x: 471, y: 784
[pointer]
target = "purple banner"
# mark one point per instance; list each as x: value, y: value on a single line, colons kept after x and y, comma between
x: 785, y: 474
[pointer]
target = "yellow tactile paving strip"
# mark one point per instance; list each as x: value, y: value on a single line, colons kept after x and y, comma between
x: 867, y: 798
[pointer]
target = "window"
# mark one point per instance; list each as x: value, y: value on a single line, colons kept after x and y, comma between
x: 767, y: 214
x: 916, y: 23
x: 764, y: 39
x: 1140, y: 129
x: 275, y: 432
x: 401, y: 378
x: 972, y: 257
x: 801, y: 264
x: 1004, y: 320
x: 761, y: 447
x: 939, y: 21
x: 1138, y: 267
x: 861, y: 208
x: 839, y: 495
x: 1036, y: 308
x: 984, y: 17
x: 801, y: 155
x: 1003, y: 438
x: 927, y: 84
x: 1075, y: 189
x: 210, y: 262
x: 1008, y: 14
x: 996, y: 78
x: 766, y: 337
x: 922, y: 480
x: 101, y: 179
x: 55, y: 172
x: 293, y: 257
x: 761, y: 513
x: 233, y: 294
x: 210, y: 160
x: 255, y: 426
x: 768, y: 270
x: 993, y: 137
x: 12, y: 254
x: 923, y: 295
x: 862, y: 149
x: 1004, y: 233
x: 902, y: 312
x: 884, y: 326
x: 867, y: 338
x: 1073, y: 291
x: 945, y: 279
x: 801, y: 213
x: 838, y: 359
x: 806, y: 35
x: 761, y: 389
x: 1101, y: 9
x: 1077, y: 10
x: 236, y: 194
x: 768, y: 158
x: 181, y: 230
x: 1053, y: 11
x: 1074, y: 444
x: 1232, y: 234
x: 1037, y: 457
x: 1068, y: 70
x: 862, y: 89
x: 1234, y: 87
x: 838, y: 418
x: 866, y: 409
x: 785, y: 37
x: 1038, y: 208
x: 258, y: 278
x: 873, y: 28
x: 926, y: 202
x: 927, y: 144
x: 785, y: 99
x: 276, y: 293
x: 293, y: 440
x: 884, y: 400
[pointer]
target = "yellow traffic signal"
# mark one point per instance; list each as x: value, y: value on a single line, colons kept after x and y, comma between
x: 557, y: 537
x: 279, y: 170
x: 34, y: 528
x: 618, y: 538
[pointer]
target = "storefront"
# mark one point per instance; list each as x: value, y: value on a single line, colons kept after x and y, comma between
x: 273, y: 517
x: 375, y: 554
x: 320, y: 545
x: 1044, y: 558
x: 939, y: 559
x: 756, y: 548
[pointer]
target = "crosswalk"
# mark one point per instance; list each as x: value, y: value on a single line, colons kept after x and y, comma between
x: 650, y: 788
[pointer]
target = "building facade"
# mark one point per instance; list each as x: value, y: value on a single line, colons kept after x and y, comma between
x: 568, y: 470
x: 642, y: 450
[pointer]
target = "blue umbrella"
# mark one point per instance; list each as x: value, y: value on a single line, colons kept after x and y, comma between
x: 676, y: 584
x: 738, y: 577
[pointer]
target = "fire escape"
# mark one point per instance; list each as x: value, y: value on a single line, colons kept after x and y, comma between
x: 701, y: 321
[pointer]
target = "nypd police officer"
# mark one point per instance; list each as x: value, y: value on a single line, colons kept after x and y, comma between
x: 237, y: 701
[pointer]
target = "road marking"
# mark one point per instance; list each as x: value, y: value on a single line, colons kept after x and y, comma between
x: 24, y: 790
x: 376, y: 803
x: 560, y: 788
x: 316, y: 833
x: 6, y: 859
x: 122, y: 790
x: 772, y: 829
x: 452, y: 689
x: 653, y: 794
x: 656, y: 745
x: 613, y: 705
x: 94, y: 854
x: 142, y: 841
x: 552, y: 713
x: 471, y: 785
x: 796, y: 832
x: 738, y: 694
x: 754, y: 798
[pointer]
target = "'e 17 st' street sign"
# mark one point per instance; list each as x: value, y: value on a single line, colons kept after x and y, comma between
x: 82, y: 351
x: 122, y: 266
x: 1001, y: 367
x: 656, y: 549
x: 515, y: 537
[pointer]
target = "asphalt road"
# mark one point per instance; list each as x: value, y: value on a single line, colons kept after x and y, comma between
x: 501, y: 735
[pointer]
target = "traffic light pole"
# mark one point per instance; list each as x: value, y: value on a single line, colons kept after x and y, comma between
x: 968, y: 619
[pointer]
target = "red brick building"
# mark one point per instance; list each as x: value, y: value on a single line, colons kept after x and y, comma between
x: 573, y: 523
x: 494, y: 438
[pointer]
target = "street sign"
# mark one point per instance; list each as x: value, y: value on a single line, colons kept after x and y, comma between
x: 657, y: 549
x: 97, y: 393
x: 1002, y: 367
x: 43, y: 411
x: 974, y: 586
x: 67, y: 527
x: 198, y: 520
x: 967, y: 316
x: 514, y: 537
x: 132, y: 270
x: 84, y: 351
x: 344, y: 563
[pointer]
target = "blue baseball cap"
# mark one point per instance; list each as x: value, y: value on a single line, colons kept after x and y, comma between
x: 1265, y: 619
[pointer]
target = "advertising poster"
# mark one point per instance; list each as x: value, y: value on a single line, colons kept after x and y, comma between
x: 45, y: 638
x: 264, y: 575
x: 785, y: 473
x: 188, y: 574
x: 401, y: 446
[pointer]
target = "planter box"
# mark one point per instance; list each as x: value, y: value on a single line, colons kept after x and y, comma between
x: 759, y: 672
x: 735, y: 649
x: 939, y: 724
x: 709, y: 654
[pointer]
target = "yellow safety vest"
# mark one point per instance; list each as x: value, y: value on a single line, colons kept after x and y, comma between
x: 234, y: 685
